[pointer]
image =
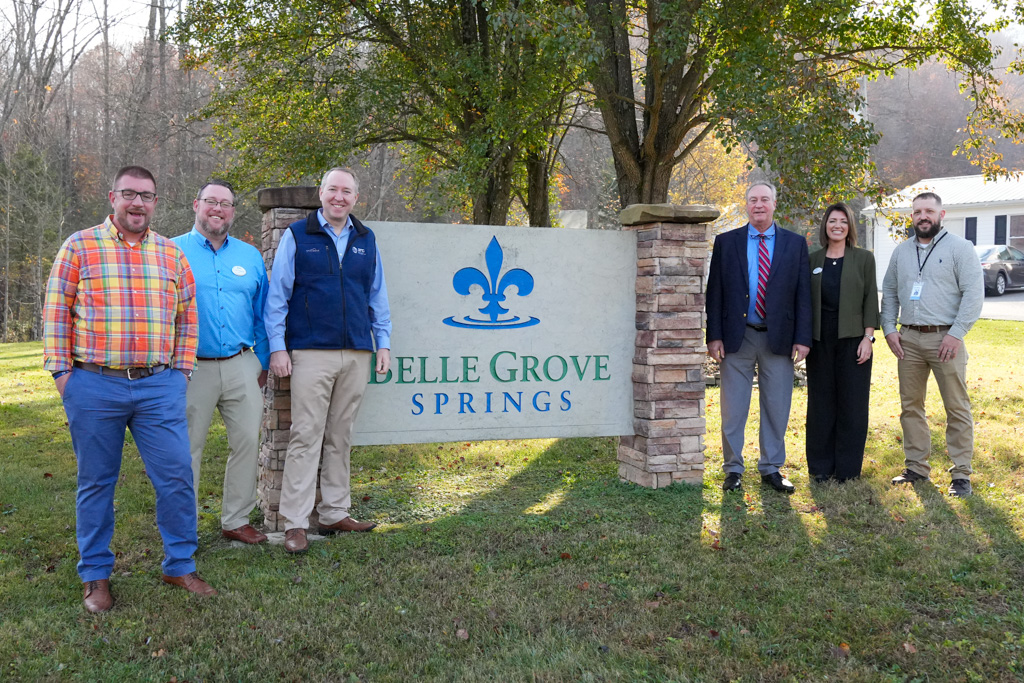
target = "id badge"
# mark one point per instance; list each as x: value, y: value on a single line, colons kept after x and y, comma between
x: 915, y: 292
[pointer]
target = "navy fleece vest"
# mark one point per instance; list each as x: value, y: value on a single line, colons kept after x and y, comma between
x: 330, y: 306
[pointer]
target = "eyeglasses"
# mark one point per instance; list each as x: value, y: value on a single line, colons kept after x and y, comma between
x: 213, y: 202
x: 130, y: 195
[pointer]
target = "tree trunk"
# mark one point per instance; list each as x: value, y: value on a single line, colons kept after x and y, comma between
x: 538, y: 200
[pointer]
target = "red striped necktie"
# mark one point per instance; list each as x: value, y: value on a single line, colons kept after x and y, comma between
x: 763, y: 267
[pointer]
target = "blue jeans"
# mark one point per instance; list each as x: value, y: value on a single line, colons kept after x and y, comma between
x: 99, y: 407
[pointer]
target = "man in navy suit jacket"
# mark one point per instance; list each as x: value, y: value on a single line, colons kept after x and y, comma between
x: 770, y: 334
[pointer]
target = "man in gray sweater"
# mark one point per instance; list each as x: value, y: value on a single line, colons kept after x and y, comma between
x: 935, y: 286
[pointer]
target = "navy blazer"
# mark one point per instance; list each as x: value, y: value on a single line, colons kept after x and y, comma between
x: 787, y: 300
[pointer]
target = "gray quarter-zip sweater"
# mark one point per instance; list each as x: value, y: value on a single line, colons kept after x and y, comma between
x: 953, y: 285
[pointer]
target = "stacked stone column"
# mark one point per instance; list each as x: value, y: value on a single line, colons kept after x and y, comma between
x: 281, y: 207
x: 667, y: 445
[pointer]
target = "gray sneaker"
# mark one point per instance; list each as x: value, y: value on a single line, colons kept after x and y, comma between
x: 961, y: 488
x: 908, y: 477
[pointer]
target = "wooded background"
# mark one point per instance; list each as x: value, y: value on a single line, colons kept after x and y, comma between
x: 486, y: 111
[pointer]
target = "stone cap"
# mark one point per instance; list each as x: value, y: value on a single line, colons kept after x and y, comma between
x: 296, y: 197
x: 639, y: 214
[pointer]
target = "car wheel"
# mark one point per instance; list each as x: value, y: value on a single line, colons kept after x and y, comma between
x: 1000, y: 287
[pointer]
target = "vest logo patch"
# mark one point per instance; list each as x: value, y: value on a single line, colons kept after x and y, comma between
x: 359, y: 250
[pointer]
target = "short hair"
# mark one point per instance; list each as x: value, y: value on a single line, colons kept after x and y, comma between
x: 928, y: 195
x: 134, y: 172
x: 760, y: 183
x: 851, y: 234
x: 219, y: 183
x: 343, y: 169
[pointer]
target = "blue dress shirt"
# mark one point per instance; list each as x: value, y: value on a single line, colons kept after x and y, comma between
x: 231, y: 291
x: 282, y: 281
x: 753, y: 238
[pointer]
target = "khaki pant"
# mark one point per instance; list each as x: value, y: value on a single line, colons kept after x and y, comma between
x: 920, y: 356
x: 327, y: 389
x: 232, y: 387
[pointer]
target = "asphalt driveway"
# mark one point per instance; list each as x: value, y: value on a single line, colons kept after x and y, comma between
x: 1009, y: 306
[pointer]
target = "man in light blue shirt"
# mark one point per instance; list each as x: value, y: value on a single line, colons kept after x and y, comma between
x: 232, y: 357
x: 327, y: 312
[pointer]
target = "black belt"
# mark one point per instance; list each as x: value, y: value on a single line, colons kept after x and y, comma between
x: 928, y: 328
x: 238, y: 353
x: 759, y: 328
x: 130, y: 373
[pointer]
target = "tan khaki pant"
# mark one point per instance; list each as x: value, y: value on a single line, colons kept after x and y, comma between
x: 232, y: 387
x: 327, y: 389
x: 920, y: 356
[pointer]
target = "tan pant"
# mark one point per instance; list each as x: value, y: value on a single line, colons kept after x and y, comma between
x: 232, y: 387
x: 327, y: 388
x: 920, y: 356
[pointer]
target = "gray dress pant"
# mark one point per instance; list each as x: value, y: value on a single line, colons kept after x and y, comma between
x: 775, y: 389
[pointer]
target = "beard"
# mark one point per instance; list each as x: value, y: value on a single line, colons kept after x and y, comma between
x: 205, y: 227
x: 926, y: 229
x: 122, y: 221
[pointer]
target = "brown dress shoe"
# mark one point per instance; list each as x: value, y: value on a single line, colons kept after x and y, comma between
x: 97, y: 597
x: 245, y: 533
x: 192, y: 583
x: 347, y: 524
x: 295, y: 541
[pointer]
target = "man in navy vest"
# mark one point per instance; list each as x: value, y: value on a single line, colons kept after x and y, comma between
x: 758, y: 304
x: 326, y: 311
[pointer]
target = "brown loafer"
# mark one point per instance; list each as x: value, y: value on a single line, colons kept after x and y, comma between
x: 245, y: 533
x: 192, y: 583
x: 295, y: 541
x: 347, y: 524
x: 97, y: 597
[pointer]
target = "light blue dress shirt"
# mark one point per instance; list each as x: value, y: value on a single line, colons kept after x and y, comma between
x: 753, y: 238
x: 231, y: 291
x: 282, y: 281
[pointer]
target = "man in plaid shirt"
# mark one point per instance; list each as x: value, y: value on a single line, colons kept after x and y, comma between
x: 120, y: 330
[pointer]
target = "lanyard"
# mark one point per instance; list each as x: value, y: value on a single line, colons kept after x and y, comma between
x: 920, y: 266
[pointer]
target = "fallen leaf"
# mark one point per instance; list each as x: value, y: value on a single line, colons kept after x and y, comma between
x: 462, y: 634
x: 566, y: 556
x: 715, y: 635
x: 909, y: 648
x: 585, y: 586
x: 653, y: 604
x: 840, y: 652
x: 603, y: 649
x: 744, y: 632
x: 160, y: 653
x: 366, y: 498
x: 47, y: 476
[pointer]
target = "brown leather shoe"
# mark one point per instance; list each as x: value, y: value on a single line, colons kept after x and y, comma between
x: 295, y: 541
x: 192, y: 583
x: 97, y: 597
x: 347, y: 524
x: 245, y: 533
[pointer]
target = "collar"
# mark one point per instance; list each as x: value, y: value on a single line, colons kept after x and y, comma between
x: 752, y: 232
x: 204, y: 241
x: 935, y: 239
x: 325, y: 224
x: 116, y: 234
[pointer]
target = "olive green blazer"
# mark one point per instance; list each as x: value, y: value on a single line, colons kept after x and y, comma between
x: 858, y: 293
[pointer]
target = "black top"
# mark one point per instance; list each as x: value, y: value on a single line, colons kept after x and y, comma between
x: 833, y: 270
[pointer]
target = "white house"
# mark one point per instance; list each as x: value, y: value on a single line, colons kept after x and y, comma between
x: 985, y: 212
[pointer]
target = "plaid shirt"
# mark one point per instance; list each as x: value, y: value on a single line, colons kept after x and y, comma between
x: 120, y: 305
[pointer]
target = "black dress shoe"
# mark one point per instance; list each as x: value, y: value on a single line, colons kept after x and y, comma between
x: 778, y: 482
x: 908, y: 476
x: 732, y: 482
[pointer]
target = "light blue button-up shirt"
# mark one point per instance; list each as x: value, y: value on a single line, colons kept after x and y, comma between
x: 282, y: 282
x: 231, y: 291
x: 753, y: 238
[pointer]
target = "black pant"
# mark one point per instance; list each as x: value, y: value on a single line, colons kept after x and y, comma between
x: 838, y: 390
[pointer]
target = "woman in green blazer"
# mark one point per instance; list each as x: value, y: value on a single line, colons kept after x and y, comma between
x: 844, y: 307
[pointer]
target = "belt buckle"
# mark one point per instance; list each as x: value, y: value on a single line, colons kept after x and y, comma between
x: 128, y: 371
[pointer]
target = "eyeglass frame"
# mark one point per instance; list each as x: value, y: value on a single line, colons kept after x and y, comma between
x: 135, y: 193
x: 211, y: 202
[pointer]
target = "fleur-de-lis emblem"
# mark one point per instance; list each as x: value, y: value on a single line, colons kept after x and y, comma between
x: 494, y: 285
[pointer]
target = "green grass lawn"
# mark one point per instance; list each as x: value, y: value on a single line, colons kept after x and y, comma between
x: 530, y: 561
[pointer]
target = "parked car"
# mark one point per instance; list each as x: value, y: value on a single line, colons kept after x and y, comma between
x: 1003, y: 266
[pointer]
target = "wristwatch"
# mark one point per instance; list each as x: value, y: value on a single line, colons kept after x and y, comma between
x: 871, y: 337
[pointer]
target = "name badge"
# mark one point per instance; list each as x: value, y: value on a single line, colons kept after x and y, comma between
x: 238, y: 270
x: 915, y: 292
